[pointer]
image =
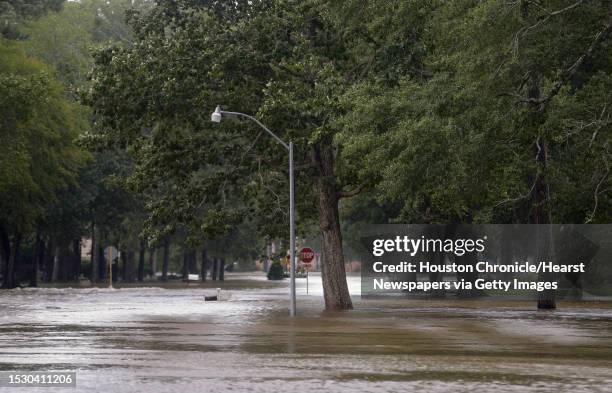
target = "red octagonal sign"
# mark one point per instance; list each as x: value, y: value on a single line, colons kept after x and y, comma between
x: 307, y: 255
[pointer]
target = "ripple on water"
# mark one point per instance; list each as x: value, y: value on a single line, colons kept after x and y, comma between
x: 164, y: 340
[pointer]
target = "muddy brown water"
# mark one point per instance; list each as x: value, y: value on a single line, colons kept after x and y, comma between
x: 169, y: 340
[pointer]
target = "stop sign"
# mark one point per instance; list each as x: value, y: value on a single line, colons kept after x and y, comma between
x: 307, y: 255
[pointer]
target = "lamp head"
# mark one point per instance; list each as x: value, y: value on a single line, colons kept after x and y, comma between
x: 216, y: 116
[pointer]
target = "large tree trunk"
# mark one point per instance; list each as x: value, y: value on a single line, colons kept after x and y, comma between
x: 547, y: 298
x: 215, y: 264
x: 5, y: 252
x: 333, y: 273
x: 94, y: 255
x: 76, y: 253
x: 129, y: 274
x: 166, y: 260
x: 9, y: 279
x: 221, y: 269
x: 123, y: 265
x: 65, y: 263
x: 152, y: 261
x: 541, y: 215
x: 204, y: 267
x: 48, y: 261
x: 37, y: 258
x: 193, y: 262
x: 185, y: 265
x: 141, y: 260
x: 540, y: 198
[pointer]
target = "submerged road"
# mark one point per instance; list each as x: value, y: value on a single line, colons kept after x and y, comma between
x: 169, y: 340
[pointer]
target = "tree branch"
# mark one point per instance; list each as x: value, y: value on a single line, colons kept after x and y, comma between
x: 542, y: 19
x: 520, y: 197
x: 353, y: 192
x: 596, y: 192
x: 573, y: 69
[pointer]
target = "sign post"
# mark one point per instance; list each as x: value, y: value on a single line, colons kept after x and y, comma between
x: 307, y: 255
x: 109, y: 254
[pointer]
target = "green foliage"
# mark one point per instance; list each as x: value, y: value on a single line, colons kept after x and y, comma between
x: 52, y: 189
x: 38, y: 157
x: 276, y: 272
x: 460, y: 137
x: 66, y: 39
x: 283, y: 61
x: 430, y: 104
x: 143, y: 96
x: 14, y: 13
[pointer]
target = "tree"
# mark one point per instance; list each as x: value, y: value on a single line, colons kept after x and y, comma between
x: 65, y: 39
x: 100, y: 204
x: 439, y: 106
x: 503, y: 121
x: 38, y: 156
x: 226, y: 50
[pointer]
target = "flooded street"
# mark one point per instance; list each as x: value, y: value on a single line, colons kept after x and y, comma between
x: 170, y: 340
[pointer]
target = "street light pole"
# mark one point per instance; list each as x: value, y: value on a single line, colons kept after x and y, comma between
x: 216, y: 117
x: 291, y: 231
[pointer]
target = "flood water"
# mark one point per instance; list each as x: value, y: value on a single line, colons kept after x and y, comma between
x: 170, y: 340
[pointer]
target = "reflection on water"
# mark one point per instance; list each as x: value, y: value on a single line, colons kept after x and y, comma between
x: 166, y: 340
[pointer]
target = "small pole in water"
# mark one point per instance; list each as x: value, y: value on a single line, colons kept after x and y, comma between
x: 219, y: 294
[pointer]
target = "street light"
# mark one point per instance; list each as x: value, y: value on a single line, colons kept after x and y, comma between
x: 216, y: 117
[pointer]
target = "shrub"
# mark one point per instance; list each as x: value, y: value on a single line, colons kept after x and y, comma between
x: 276, y: 272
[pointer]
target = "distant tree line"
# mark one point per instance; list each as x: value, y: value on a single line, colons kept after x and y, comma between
x: 56, y: 187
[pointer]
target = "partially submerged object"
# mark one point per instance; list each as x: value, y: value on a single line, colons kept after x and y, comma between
x: 213, y: 298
